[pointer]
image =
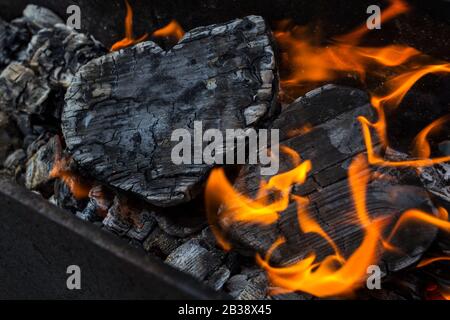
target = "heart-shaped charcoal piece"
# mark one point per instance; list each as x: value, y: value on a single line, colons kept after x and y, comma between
x: 121, y: 109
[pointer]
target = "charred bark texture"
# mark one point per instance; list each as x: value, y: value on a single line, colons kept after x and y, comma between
x: 122, y: 108
x: 332, y: 142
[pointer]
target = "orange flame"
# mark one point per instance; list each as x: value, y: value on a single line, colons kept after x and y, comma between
x: 420, y: 216
x: 60, y: 170
x: 325, y: 278
x: 129, y: 39
x: 421, y: 146
x: 308, y: 62
x: 397, y: 89
x: 237, y: 207
x: 428, y: 261
x: 171, y: 30
x: 311, y: 62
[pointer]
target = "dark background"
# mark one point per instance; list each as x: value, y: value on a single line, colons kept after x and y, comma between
x: 426, y: 27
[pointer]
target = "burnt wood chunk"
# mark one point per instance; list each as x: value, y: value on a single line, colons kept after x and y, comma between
x: 58, y: 52
x: 333, y: 139
x: 12, y: 39
x: 31, y: 85
x: 122, y: 108
x: 191, y: 257
x: 39, y: 17
x: 22, y: 90
x: 15, y: 36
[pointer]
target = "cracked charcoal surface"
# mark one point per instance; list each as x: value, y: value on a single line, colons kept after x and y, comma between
x: 193, y: 258
x: 121, y: 109
x: 334, y: 139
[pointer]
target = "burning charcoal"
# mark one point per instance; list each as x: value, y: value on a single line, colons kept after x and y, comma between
x: 100, y: 200
x: 334, y: 137
x: 14, y: 161
x: 9, y: 136
x: 255, y: 289
x: 436, y: 179
x: 218, y: 278
x: 406, y: 121
x: 65, y: 199
x: 22, y: 90
x: 124, y: 218
x: 180, y: 224
x: 58, y: 52
x: 322, y: 126
x: 38, y: 167
x: 161, y: 243
x: 121, y: 109
x: 194, y: 259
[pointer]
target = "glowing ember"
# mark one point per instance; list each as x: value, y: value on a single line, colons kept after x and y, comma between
x: 129, y: 39
x: 77, y: 186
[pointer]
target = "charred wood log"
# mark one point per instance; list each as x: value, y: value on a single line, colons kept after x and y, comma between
x: 122, y: 108
x: 332, y: 139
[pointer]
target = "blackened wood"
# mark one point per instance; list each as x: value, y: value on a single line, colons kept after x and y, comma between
x: 57, y: 53
x: 31, y: 83
x: 12, y: 40
x: 335, y: 138
x: 22, y: 91
x: 122, y: 108
x: 15, y: 36
x: 38, y: 167
x: 191, y: 257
